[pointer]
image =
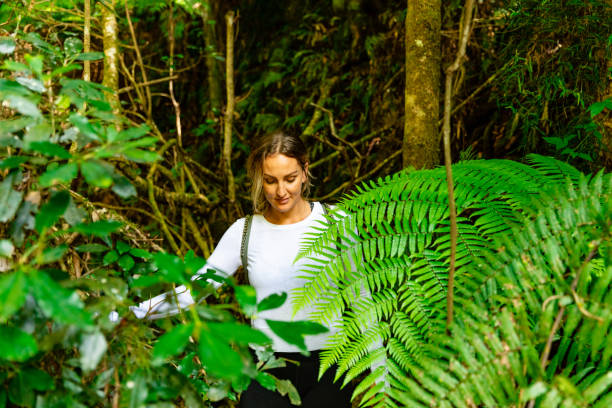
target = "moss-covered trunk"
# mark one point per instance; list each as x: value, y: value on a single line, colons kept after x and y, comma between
x: 111, y: 54
x: 421, y: 144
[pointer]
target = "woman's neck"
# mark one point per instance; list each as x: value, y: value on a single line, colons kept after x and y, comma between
x: 298, y: 213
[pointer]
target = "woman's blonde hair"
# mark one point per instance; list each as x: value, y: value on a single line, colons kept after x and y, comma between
x: 273, y: 143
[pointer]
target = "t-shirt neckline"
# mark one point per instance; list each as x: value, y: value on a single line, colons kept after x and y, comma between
x: 316, y: 208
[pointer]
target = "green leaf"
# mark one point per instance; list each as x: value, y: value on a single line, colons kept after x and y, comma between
x: 98, y: 174
x: 36, y: 63
x: 129, y: 134
x: 93, y: 248
x: 38, y: 379
x: 9, y: 198
x: 20, y: 392
x: 266, y: 380
x: 50, y: 149
x: 247, y: 299
x: 171, y: 267
x: 15, y: 66
x: 92, y: 348
x: 40, y: 132
x: 7, y: 127
x: 12, y: 162
x: 122, y: 187
x: 126, y: 262
x: 6, y: 248
x: 53, y: 254
x: 65, y: 69
x: 98, y: 228
x: 110, y: 257
x: 272, y: 302
x: 140, y: 156
x: 81, y: 123
x: 140, y: 253
x: 61, y: 304
x: 64, y: 173
x: 32, y: 84
x: 52, y: 210
x: 73, y: 46
x: 122, y: 247
x: 23, y: 105
x: 16, y: 345
x: 12, y: 294
x: 294, y: 332
x: 238, y: 333
x: 90, y: 56
x: 171, y: 343
x: 7, y: 45
x: 285, y: 387
x: 218, y: 357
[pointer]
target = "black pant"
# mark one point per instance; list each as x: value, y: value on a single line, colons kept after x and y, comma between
x: 314, y: 394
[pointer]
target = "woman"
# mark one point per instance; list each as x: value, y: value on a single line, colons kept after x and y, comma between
x: 278, y: 169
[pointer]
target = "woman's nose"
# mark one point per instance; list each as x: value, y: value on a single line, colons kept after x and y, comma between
x: 281, y: 189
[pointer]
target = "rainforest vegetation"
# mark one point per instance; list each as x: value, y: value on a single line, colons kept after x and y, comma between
x: 467, y: 145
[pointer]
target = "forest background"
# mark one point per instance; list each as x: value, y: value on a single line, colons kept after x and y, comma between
x: 167, y: 97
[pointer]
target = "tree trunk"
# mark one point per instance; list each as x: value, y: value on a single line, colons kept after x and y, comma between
x: 229, y: 109
x: 87, y: 40
x: 421, y: 145
x: 209, y: 14
x: 111, y: 54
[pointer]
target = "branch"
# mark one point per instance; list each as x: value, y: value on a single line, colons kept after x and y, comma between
x: 229, y: 109
x: 450, y: 71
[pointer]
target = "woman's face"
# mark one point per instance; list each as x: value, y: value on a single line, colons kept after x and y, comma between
x: 283, y: 178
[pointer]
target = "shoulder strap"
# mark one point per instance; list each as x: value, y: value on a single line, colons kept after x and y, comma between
x: 325, y: 208
x: 244, y: 246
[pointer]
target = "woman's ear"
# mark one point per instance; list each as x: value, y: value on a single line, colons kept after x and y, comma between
x: 305, y: 170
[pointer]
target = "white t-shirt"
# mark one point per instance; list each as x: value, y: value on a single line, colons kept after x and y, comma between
x: 272, y: 250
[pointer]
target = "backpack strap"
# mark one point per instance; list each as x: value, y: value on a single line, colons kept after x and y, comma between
x: 244, y: 246
x: 325, y: 208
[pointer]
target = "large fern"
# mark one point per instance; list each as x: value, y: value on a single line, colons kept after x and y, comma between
x: 524, y: 233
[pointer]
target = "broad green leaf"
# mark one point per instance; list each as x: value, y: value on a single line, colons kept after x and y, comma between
x: 65, y: 69
x: 51, y: 212
x: 9, y: 198
x: 61, y: 174
x: 140, y: 253
x: 6, y: 248
x: 122, y: 187
x: 40, y: 132
x: 61, y: 304
x: 12, y: 162
x: 74, y: 215
x: 73, y: 46
x: 98, y: 228
x: 16, y: 345
x: 140, y: 156
x: 247, y: 299
x: 218, y: 357
x: 266, y: 380
x: 272, y: 302
x: 52, y: 254
x: 7, y: 45
x: 238, y: 333
x: 171, y: 343
x: 32, y: 84
x: 7, y: 127
x: 15, y: 66
x: 97, y: 174
x: 126, y: 262
x: 12, y: 294
x: 135, y: 391
x: 50, y: 149
x: 171, y: 267
x: 285, y: 387
x: 129, y: 134
x: 93, y: 248
x: 294, y: 332
x: 23, y: 105
x: 38, y: 379
x: 92, y: 348
x: 81, y: 123
x: 110, y: 257
x: 122, y: 247
x: 36, y: 63
x: 90, y: 56
x: 20, y: 393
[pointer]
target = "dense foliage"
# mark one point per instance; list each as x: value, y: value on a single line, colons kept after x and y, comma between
x: 533, y: 287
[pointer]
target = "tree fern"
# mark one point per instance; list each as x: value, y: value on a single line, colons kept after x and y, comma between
x: 524, y: 233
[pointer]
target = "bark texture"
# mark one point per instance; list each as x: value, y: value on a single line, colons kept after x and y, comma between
x: 421, y: 144
x: 209, y: 15
x: 111, y: 54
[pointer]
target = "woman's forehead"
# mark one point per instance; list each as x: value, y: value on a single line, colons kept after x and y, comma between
x: 279, y: 164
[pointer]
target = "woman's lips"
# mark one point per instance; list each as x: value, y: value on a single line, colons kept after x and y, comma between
x: 282, y: 200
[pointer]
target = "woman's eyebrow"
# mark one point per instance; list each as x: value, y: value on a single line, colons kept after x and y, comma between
x: 295, y: 173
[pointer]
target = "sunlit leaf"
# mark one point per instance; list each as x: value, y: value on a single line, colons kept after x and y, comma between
x: 93, y: 248
x: 12, y: 294
x: 60, y: 174
x: 16, y: 345
x: 73, y: 46
x: 92, y: 348
x: 6, y: 248
x: 9, y: 198
x: 122, y: 186
x: 50, y: 149
x: 40, y: 132
x: 171, y: 343
x: 84, y: 126
x: 98, y: 174
x: 218, y: 357
x: 129, y: 134
x: 32, y: 84
x: 12, y: 162
x: 36, y: 63
x: 140, y: 156
x: 23, y: 105
x: 52, y: 254
x: 90, y: 56
x: 98, y: 228
x: 7, y: 45
x: 126, y: 262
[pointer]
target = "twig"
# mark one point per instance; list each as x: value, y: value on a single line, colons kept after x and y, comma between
x: 336, y: 153
x: 332, y: 128
x: 450, y: 71
x: 196, y: 233
x: 325, y: 89
x: 140, y: 63
x: 229, y: 109
x: 146, y: 84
